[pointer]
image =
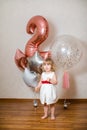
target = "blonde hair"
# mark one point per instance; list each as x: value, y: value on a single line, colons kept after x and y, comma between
x: 48, y: 61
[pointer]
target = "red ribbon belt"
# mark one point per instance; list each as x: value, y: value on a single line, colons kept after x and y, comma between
x: 46, y: 82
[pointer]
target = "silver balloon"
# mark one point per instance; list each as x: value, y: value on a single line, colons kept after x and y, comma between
x: 35, y: 62
x: 66, y: 51
x: 30, y: 78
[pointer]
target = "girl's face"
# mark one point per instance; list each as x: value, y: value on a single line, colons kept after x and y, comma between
x: 47, y: 67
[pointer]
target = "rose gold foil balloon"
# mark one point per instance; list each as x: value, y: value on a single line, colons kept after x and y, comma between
x: 39, y: 26
x: 20, y: 59
x: 45, y: 54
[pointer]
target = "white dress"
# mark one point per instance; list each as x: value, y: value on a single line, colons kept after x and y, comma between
x: 48, y: 91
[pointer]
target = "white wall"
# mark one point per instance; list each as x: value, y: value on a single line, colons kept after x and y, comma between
x: 64, y: 17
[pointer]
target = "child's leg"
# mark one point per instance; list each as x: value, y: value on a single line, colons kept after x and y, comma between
x: 52, y: 109
x: 45, y: 111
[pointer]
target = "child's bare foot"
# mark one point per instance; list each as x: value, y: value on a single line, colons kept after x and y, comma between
x: 43, y: 117
x: 53, y: 118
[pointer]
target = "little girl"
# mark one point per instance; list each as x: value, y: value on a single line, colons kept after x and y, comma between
x: 48, y: 96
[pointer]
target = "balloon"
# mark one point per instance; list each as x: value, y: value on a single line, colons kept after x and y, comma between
x: 33, y: 57
x: 30, y: 78
x: 35, y: 62
x: 45, y: 54
x: 66, y: 51
x: 39, y: 26
x: 20, y: 59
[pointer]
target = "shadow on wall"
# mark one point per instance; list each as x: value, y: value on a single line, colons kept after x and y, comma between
x: 81, y: 67
x: 70, y: 92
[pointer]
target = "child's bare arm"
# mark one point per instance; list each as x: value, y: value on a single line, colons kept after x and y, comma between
x: 37, y: 88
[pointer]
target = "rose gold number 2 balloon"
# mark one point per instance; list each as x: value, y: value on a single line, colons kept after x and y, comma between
x: 39, y: 26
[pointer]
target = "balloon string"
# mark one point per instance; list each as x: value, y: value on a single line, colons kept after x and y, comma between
x: 35, y: 94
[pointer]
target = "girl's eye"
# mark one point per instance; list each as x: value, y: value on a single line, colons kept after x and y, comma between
x: 48, y: 64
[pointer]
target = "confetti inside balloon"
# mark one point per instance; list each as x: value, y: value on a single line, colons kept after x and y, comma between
x: 66, y: 51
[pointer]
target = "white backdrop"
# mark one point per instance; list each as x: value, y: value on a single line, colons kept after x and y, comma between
x: 64, y: 17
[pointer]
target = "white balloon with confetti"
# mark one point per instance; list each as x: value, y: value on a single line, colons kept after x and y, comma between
x: 66, y: 51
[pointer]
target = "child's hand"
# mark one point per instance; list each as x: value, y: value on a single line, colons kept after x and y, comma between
x: 48, y: 79
x: 37, y: 89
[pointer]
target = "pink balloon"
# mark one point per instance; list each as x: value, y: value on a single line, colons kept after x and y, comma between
x: 39, y: 26
x: 45, y: 54
x: 20, y: 59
